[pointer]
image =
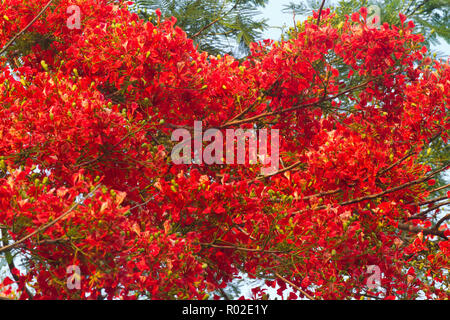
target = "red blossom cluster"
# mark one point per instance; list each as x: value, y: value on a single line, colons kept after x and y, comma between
x: 86, y: 177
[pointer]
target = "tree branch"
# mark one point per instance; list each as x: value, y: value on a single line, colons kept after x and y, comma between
x: 209, y: 25
x: 320, y: 12
x: 431, y: 201
x: 409, y: 154
x: 378, y: 195
x: 440, y: 188
x: 10, y: 42
x: 293, y: 285
x: 381, y: 194
x: 280, y: 171
x: 48, y: 225
x: 441, y: 221
x: 422, y: 214
x: 416, y: 229
x: 212, y: 245
x: 278, y: 112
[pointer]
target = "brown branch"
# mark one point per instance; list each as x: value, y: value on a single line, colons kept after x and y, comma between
x: 441, y: 221
x: 378, y: 195
x: 422, y: 214
x: 10, y: 42
x: 415, y: 229
x: 431, y: 201
x: 280, y: 171
x: 175, y: 126
x: 321, y: 194
x: 371, y: 296
x: 245, y: 232
x: 278, y: 112
x: 381, y: 194
x: 242, y: 113
x: 48, y: 225
x: 212, y: 245
x: 409, y: 154
x: 51, y: 241
x: 440, y: 188
x: 370, y: 197
x: 140, y: 205
x: 250, y: 107
x: 320, y: 11
x: 293, y: 285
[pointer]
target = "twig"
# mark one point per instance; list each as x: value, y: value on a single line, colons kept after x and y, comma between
x: 416, y: 229
x: 294, y: 108
x: 409, y: 154
x: 431, y: 201
x: 293, y: 285
x: 48, y: 225
x: 213, y: 22
x: 441, y: 221
x: 378, y: 195
x: 381, y: 194
x: 440, y: 188
x: 280, y: 171
x: 224, y: 294
x: 212, y: 245
x: 422, y: 214
x: 371, y: 296
x: 320, y: 11
x: 10, y: 42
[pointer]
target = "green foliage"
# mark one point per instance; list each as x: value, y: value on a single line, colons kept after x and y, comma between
x: 217, y: 26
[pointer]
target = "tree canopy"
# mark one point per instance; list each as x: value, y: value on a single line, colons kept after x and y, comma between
x: 87, y: 182
x: 430, y: 16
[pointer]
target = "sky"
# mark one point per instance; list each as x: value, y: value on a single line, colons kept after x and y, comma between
x: 273, y: 12
x: 276, y: 19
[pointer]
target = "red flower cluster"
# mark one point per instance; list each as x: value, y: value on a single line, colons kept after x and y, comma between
x: 86, y: 178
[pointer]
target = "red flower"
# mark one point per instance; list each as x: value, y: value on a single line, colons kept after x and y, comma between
x: 355, y: 17
x: 363, y: 12
x: 87, y: 179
